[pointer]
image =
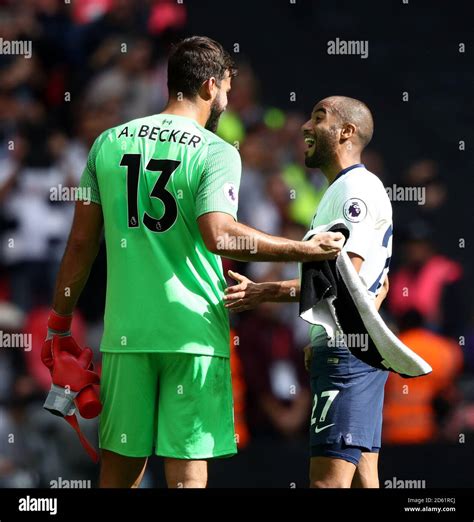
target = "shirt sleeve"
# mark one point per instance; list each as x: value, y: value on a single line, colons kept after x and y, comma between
x: 89, y: 175
x: 359, y: 211
x: 218, y: 189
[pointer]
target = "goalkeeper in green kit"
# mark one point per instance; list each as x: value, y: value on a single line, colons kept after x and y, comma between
x: 165, y: 191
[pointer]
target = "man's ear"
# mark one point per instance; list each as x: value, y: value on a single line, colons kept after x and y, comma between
x: 348, y: 131
x: 208, y: 89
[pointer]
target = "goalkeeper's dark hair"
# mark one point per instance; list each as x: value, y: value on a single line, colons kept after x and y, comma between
x: 193, y: 61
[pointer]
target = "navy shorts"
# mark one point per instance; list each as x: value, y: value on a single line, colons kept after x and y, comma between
x: 346, y: 417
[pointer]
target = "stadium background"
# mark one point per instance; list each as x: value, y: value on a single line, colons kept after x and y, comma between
x: 79, y: 81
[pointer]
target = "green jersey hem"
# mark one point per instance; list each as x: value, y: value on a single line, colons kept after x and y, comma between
x: 211, y: 352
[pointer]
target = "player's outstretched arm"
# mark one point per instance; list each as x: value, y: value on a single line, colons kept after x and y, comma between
x: 247, y: 295
x: 81, y: 250
x: 226, y: 237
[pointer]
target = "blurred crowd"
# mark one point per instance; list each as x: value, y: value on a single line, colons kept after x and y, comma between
x: 97, y: 63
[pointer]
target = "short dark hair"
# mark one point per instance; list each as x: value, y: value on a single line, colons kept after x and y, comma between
x: 195, y: 60
x: 350, y: 110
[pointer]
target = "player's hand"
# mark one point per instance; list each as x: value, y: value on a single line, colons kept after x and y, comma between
x: 243, y: 296
x: 327, y: 245
x: 308, y: 356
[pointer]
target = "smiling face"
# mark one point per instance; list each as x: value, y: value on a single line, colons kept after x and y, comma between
x: 321, y: 135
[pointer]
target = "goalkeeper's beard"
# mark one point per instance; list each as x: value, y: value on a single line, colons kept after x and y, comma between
x: 213, y: 120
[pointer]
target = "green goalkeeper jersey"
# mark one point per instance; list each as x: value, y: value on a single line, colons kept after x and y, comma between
x: 154, y: 177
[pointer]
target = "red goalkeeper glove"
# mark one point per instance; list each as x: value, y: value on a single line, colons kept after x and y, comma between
x: 73, y: 376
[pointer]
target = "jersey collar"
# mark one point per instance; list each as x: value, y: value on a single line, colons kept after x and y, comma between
x: 347, y: 169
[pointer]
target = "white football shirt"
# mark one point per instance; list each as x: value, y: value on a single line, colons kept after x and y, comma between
x: 358, y: 198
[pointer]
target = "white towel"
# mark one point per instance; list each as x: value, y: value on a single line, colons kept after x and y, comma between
x: 396, y: 355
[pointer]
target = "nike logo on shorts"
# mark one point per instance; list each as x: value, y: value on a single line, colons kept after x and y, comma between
x: 317, y: 430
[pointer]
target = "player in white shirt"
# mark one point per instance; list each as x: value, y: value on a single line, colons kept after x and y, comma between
x: 359, y: 198
x: 346, y: 421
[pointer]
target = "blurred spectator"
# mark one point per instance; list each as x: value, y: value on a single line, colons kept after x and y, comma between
x: 289, y: 313
x: 19, y: 449
x: 278, y: 399
x: 255, y: 207
x: 11, y: 359
x: 120, y: 18
x: 125, y: 85
x: 28, y: 247
x: 239, y: 392
x: 412, y: 406
x: 429, y: 283
x: 423, y: 175
x: 245, y: 97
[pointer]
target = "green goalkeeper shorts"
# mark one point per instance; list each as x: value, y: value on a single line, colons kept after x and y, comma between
x: 180, y: 404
